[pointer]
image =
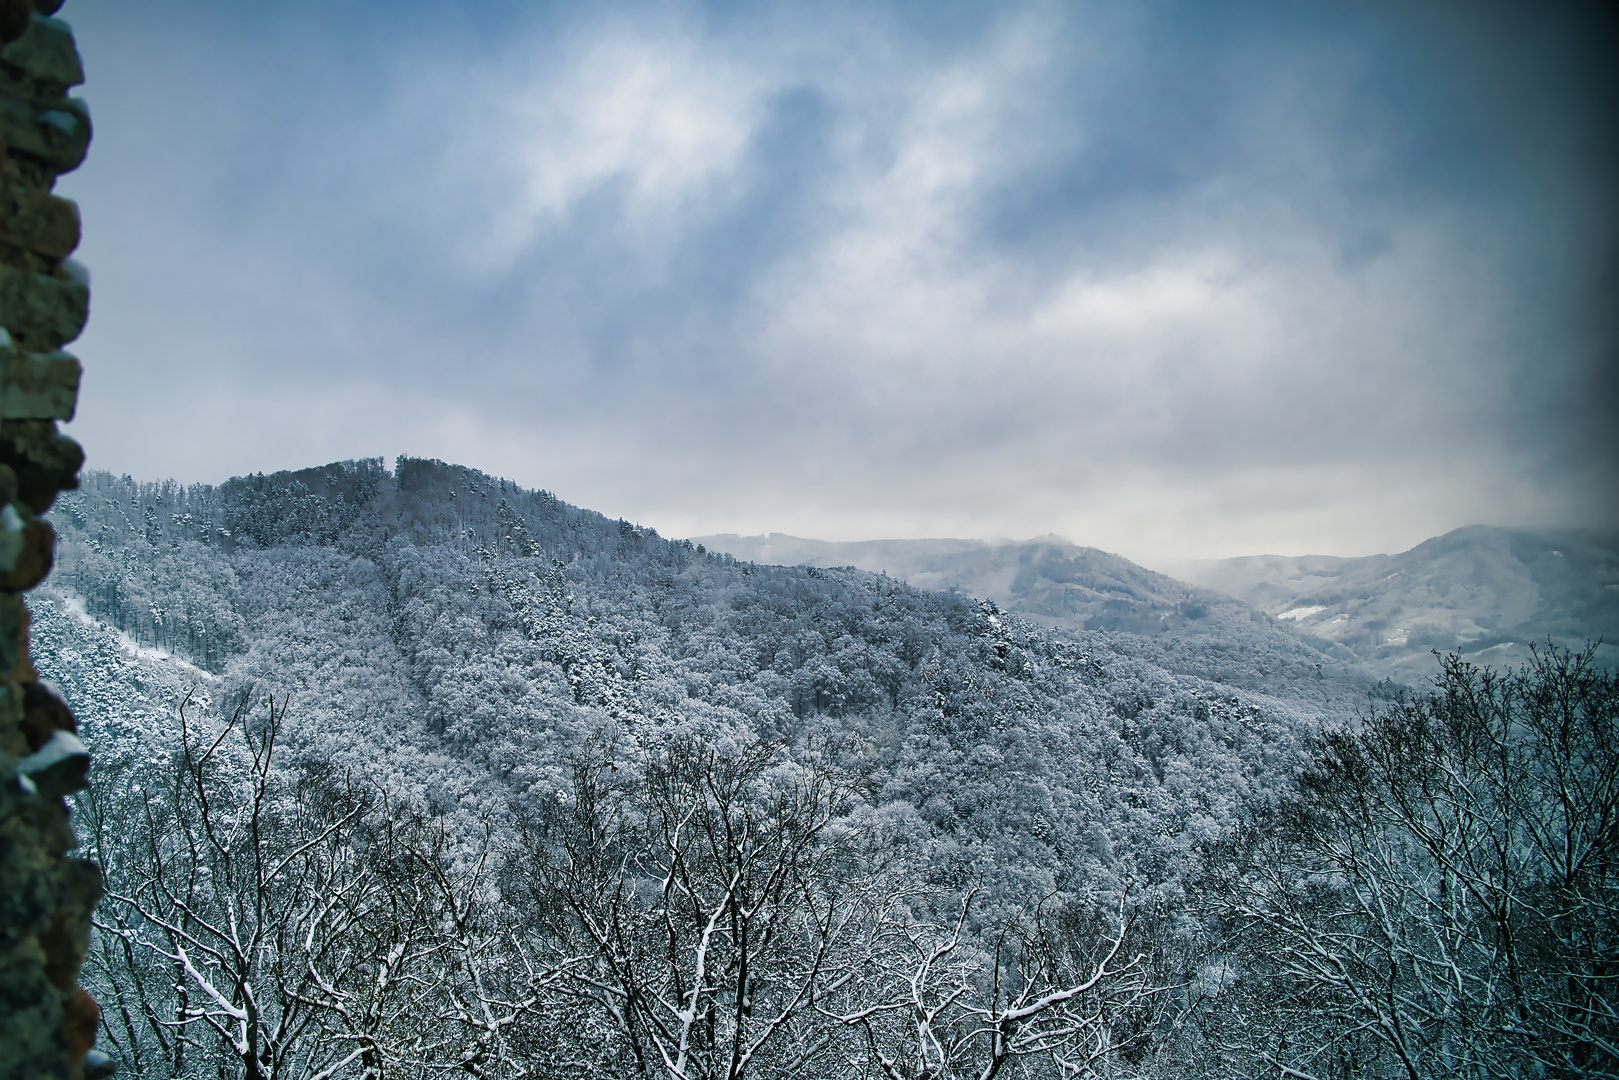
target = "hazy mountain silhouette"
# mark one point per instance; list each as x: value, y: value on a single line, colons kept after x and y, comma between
x: 1192, y: 629
x: 1487, y: 592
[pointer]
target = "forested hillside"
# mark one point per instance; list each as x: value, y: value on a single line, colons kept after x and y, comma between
x: 549, y: 794
x: 481, y: 626
x: 1185, y: 628
x: 1488, y: 592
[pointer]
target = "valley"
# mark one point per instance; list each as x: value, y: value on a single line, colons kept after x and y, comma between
x: 566, y: 774
x: 1488, y: 593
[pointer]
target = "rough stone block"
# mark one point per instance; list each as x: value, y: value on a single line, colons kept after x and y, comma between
x: 60, y: 767
x: 24, y: 671
x: 44, y: 387
x: 78, y: 887
x: 11, y: 631
x: 30, y: 1019
x: 42, y: 460
x: 46, y: 52
x: 44, y: 714
x: 13, y: 745
x: 27, y: 888
x: 11, y: 538
x: 38, y: 221
x: 55, y: 131
x: 79, y: 1016
x: 42, y: 312
x: 47, y: 1024
x: 26, y: 552
x: 13, y: 19
x: 52, y: 827
x: 78, y: 883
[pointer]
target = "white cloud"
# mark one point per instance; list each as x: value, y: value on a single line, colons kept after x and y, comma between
x: 597, y: 256
x: 661, y: 117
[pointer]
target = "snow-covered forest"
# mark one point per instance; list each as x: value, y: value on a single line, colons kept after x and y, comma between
x: 417, y: 772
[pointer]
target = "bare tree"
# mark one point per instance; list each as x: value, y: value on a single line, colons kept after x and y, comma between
x: 1440, y: 900
x: 485, y: 986
x: 235, y: 892
x: 718, y: 915
x: 699, y: 908
x: 936, y: 1002
x: 711, y: 911
x: 263, y: 923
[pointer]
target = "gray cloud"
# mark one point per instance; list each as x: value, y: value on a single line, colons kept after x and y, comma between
x: 1170, y: 279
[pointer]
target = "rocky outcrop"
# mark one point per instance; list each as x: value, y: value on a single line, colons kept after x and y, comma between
x: 47, y: 1023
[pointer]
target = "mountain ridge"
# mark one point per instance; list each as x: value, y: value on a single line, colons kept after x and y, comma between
x: 1489, y: 592
x: 487, y: 659
x: 1475, y: 590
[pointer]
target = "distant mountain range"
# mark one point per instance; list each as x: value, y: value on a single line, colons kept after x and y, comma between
x: 1047, y: 579
x: 1486, y: 592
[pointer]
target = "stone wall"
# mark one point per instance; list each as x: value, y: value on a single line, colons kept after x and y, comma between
x: 47, y: 1023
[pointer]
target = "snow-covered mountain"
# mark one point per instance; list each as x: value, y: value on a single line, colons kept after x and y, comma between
x: 1487, y: 592
x: 498, y: 711
x: 1186, y: 628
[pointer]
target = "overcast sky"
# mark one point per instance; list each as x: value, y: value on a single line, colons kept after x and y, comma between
x: 1174, y: 280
